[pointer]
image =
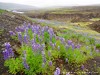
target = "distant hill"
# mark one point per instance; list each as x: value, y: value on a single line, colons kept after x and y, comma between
x: 88, y: 7
x: 12, y: 6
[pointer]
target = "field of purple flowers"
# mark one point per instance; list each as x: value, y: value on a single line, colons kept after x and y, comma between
x: 47, y: 51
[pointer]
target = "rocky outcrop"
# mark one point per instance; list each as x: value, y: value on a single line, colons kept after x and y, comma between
x: 95, y: 26
x: 9, y: 21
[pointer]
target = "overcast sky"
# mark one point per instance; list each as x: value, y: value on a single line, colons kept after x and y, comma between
x: 48, y: 3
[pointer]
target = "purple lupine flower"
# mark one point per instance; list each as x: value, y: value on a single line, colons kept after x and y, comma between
x: 69, y: 42
x: 43, y: 45
x: 57, y: 38
x: 42, y: 31
x: 8, y: 52
x: 51, y: 33
x: 50, y: 30
x: 33, y: 41
x: 34, y: 36
x: 20, y: 37
x: 22, y: 29
x: 29, y: 25
x: 82, y: 67
x: 7, y: 45
x: 26, y: 30
x: 50, y: 63
x: 33, y: 29
x: 66, y: 59
x: 49, y: 53
x: 62, y: 40
x: 26, y: 39
x: 57, y: 72
x: 78, y: 46
x: 5, y: 54
x: 24, y: 60
x: 36, y: 46
x: 41, y: 48
x: 73, y: 46
x: 24, y: 23
x: 46, y: 28
x: 43, y: 64
x: 43, y: 52
x: 25, y: 63
x: 17, y: 29
x: 44, y: 59
x: 40, y: 40
x: 43, y: 56
x: 52, y: 45
x: 12, y: 33
x: 11, y: 53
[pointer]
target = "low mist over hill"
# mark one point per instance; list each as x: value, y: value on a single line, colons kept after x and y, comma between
x: 12, y: 6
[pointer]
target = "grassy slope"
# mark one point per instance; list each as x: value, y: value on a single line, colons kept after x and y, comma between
x: 78, y: 27
x: 72, y: 31
x: 8, y: 21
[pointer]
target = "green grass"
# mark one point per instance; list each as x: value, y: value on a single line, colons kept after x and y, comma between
x: 78, y: 27
x: 95, y: 19
x: 1, y: 31
x: 83, y: 24
x: 2, y: 11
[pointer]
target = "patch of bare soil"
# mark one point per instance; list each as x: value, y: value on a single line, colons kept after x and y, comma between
x: 95, y: 26
x: 92, y: 66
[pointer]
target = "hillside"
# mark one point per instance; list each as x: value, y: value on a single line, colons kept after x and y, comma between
x: 12, y: 6
x: 72, y: 14
x: 49, y: 40
x: 75, y: 12
x: 95, y: 26
x: 8, y: 21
